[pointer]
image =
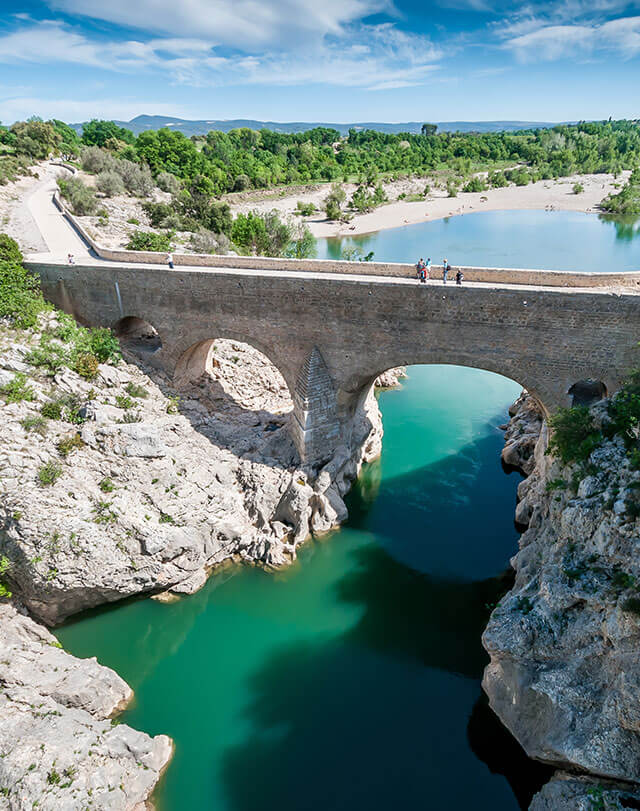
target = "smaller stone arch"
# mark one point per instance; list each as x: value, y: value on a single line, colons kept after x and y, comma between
x: 587, y: 392
x: 137, y: 335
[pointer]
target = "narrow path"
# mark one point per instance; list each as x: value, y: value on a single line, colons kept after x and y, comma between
x: 56, y: 231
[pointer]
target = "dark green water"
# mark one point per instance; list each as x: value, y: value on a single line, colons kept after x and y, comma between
x: 352, y: 680
x: 549, y: 240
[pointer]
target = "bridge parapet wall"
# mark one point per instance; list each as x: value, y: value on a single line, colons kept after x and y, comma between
x: 541, y: 278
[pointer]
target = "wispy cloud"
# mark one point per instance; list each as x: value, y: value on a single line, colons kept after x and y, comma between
x: 551, y: 42
x: 374, y: 57
x: 242, y: 24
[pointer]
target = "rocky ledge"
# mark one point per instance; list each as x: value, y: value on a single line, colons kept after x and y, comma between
x: 60, y: 746
x: 564, y: 675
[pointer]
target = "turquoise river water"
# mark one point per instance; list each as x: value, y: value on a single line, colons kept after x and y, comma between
x: 549, y: 240
x: 351, y: 681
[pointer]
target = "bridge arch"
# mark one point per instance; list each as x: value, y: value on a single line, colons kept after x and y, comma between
x: 137, y: 334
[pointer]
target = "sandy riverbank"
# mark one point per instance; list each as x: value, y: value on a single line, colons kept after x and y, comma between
x: 556, y: 193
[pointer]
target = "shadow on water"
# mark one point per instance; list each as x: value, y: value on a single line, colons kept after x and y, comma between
x: 375, y: 718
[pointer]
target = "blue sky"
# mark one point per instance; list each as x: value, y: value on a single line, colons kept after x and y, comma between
x: 331, y: 60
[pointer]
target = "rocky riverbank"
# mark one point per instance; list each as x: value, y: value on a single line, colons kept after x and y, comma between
x: 117, y: 486
x: 564, y: 675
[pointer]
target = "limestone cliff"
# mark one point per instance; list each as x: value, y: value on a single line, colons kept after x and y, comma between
x: 564, y: 674
x: 124, y: 490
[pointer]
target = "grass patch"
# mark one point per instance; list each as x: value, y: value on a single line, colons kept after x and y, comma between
x: 49, y: 473
x: 17, y: 390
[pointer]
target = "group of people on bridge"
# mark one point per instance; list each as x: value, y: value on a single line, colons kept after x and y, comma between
x: 423, y: 271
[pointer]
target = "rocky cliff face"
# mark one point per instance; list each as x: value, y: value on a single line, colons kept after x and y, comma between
x: 564, y: 675
x: 59, y: 747
x: 119, y: 489
x: 127, y: 492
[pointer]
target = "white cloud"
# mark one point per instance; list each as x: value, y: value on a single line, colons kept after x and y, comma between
x: 367, y: 56
x: 550, y: 42
x: 237, y: 23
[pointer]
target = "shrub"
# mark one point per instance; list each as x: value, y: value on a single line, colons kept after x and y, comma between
x: 476, y: 184
x: 5, y: 594
x: 106, y: 485
x: 69, y: 443
x: 578, y: 188
x: 101, y: 342
x: 137, y: 179
x: 498, y: 180
x: 158, y: 213
x: 36, y: 423
x: 624, y: 409
x: 135, y: 390
x: 96, y: 160
x: 103, y: 513
x: 305, y: 209
x: 124, y: 401
x: 48, y: 355
x: 86, y: 365
x: 49, y: 473
x: 168, y: 182
x: 242, y: 183
x: 263, y: 234
x: 574, y: 434
x: 81, y: 198
x: 207, y: 241
x: 148, y: 241
x: 452, y: 189
x: 52, y: 410
x: 133, y: 221
x: 17, y: 389
x: 173, y: 405
x: 20, y: 298
x: 9, y: 250
x: 110, y: 183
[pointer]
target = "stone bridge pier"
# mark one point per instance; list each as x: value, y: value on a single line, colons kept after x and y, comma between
x: 330, y: 335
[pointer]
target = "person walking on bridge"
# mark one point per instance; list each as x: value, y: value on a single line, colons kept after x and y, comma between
x: 459, y: 276
x: 445, y: 270
x: 170, y: 260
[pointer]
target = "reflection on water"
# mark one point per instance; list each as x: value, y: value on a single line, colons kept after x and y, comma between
x: 352, y: 680
x: 549, y: 240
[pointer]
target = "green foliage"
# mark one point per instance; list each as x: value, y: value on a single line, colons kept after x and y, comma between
x: 103, y: 514
x: 574, y: 435
x: 86, y: 365
x: 626, y: 201
x: 49, y: 473
x: 9, y: 250
x: 110, y: 183
x: 106, y: 485
x: 452, y: 188
x: 498, y: 180
x: 124, y: 401
x: 97, y: 133
x: 261, y: 233
x: 35, y: 423
x: 305, y: 209
x: 17, y: 390
x: 168, y: 183
x: 69, y: 443
x: 555, y: 484
x: 624, y: 409
x: 173, y: 405
x: 334, y: 201
x: 148, y: 241
x: 578, y: 188
x: 136, y: 390
x: 36, y: 139
x: 81, y: 198
x: 5, y: 565
x: 476, y: 184
x: 52, y: 410
x: 302, y: 244
x: 20, y: 298
x: 353, y: 254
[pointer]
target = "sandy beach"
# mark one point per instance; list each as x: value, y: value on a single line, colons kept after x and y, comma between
x: 541, y: 195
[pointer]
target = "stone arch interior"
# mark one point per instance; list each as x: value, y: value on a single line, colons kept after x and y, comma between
x: 137, y: 335
x: 587, y: 392
x: 241, y: 396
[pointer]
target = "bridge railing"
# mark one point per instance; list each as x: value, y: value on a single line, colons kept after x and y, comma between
x: 543, y: 278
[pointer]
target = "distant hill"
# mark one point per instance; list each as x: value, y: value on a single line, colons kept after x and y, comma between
x: 156, y: 122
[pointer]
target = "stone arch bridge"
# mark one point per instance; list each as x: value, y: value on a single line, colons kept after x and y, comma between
x: 330, y: 334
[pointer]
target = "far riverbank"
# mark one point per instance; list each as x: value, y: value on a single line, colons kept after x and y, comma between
x: 556, y: 194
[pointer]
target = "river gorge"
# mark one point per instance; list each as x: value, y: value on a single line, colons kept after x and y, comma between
x: 350, y: 678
